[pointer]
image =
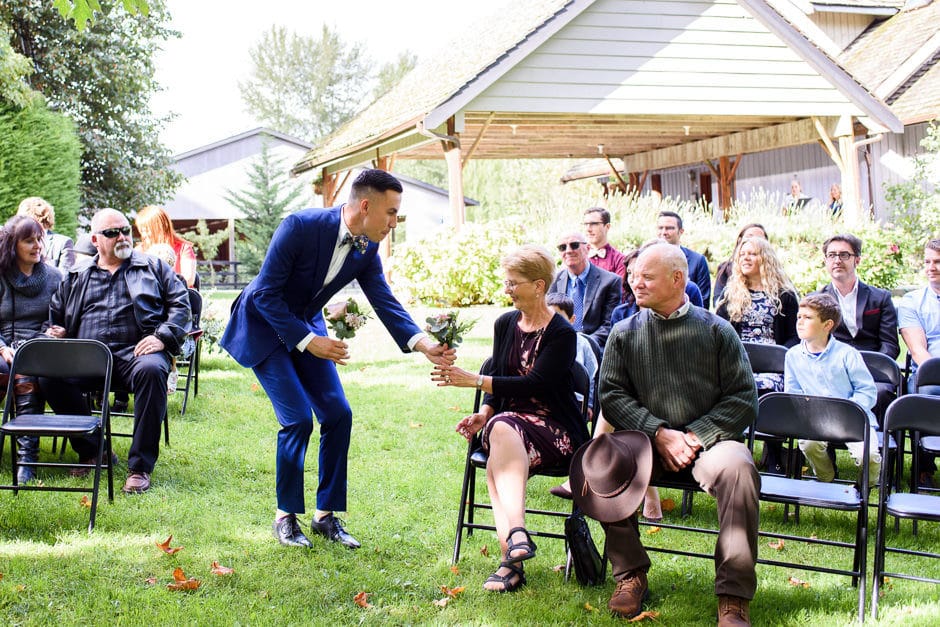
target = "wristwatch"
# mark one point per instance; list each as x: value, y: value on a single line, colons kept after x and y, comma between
x: 480, y: 382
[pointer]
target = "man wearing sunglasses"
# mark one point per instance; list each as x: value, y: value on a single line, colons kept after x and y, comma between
x: 595, y: 292
x: 136, y: 305
x: 869, y: 319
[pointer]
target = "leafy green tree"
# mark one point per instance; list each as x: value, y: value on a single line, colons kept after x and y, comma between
x: 308, y: 86
x: 305, y: 86
x: 14, y: 70
x: 39, y: 156
x: 916, y: 202
x: 102, y: 78
x: 269, y: 197
x: 206, y: 243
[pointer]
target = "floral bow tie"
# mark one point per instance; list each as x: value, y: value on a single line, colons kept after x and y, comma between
x: 359, y: 242
x: 600, y: 253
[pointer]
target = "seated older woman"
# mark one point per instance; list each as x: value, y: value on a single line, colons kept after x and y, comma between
x: 529, y: 416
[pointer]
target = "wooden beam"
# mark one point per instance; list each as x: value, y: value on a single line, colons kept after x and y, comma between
x: 827, y: 144
x: 616, y: 172
x: 454, y: 176
x: 476, y: 142
x: 756, y: 140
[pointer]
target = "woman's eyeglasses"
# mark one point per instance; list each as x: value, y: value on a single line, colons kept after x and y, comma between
x: 512, y: 285
x: 112, y: 233
x: 571, y: 245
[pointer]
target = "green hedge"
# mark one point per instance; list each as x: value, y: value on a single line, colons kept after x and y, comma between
x: 40, y: 155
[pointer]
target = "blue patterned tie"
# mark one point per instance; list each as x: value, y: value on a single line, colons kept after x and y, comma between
x: 577, y: 295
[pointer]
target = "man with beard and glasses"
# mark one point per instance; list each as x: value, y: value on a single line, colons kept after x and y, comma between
x: 134, y: 304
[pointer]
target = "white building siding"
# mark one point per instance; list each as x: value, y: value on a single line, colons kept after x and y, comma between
x: 664, y: 57
x: 842, y: 28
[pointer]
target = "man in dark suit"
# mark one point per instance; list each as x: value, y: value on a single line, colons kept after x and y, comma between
x: 669, y: 228
x: 595, y: 292
x: 869, y: 319
x: 277, y: 330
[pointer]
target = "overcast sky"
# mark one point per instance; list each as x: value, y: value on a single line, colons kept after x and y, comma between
x: 200, y: 71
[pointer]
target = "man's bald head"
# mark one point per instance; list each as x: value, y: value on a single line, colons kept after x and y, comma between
x: 658, y: 278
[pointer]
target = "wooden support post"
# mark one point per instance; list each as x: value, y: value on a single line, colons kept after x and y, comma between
x: 329, y: 188
x: 385, y: 248
x: 454, y: 175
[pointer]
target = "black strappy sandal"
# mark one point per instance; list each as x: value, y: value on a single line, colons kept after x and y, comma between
x: 507, y: 580
x: 528, y: 545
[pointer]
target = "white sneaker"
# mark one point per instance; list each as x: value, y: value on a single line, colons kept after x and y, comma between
x: 171, y: 380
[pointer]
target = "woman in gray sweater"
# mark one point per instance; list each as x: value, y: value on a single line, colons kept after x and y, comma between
x: 26, y: 287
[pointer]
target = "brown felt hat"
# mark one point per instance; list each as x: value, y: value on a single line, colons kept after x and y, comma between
x: 610, y: 474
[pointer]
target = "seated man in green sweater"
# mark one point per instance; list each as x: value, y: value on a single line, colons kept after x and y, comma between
x: 679, y: 374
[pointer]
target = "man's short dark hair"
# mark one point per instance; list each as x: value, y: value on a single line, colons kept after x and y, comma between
x: 848, y: 238
x: 933, y: 244
x: 825, y: 307
x: 375, y: 181
x: 605, y: 215
x: 672, y: 214
x: 562, y: 301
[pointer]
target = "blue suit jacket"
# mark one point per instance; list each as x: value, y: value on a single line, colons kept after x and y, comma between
x: 602, y: 294
x: 285, y: 301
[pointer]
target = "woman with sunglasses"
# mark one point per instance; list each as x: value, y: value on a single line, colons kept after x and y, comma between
x: 155, y: 227
x: 529, y: 417
x: 761, y: 304
x: 26, y: 287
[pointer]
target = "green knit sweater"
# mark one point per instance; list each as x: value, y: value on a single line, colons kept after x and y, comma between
x: 688, y: 373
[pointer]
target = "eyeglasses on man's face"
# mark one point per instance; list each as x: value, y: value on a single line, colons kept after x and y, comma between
x: 112, y: 233
x: 842, y: 256
x: 588, y: 225
x: 569, y: 245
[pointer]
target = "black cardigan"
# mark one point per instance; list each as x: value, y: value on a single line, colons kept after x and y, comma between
x: 550, y: 379
x: 784, y: 322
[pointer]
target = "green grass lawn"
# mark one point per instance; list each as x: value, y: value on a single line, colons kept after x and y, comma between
x: 214, y: 492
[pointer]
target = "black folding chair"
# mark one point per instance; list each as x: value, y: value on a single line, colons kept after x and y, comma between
x: 830, y: 420
x: 890, y: 383
x: 187, y: 364
x: 476, y: 460
x: 769, y: 358
x: 928, y: 375
x: 61, y: 359
x: 917, y: 413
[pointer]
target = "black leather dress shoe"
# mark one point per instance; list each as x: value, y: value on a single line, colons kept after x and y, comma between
x: 331, y: 527
x: 288, y: 532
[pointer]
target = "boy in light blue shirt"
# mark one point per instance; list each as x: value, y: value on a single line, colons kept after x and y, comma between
x: 821, y: 365
x: 585, y: 356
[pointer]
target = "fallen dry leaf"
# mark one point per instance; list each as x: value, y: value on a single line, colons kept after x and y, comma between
x: 667, y: 505
x: 19, y: 588
x: 589, y: 607
x: 441, y: 602
x: 455, y: 570
x: 771, y: 508
x: 558, y: 568
x: 255, y: 387
x: 776, y: 545
x: 218, y: 569
x: 799, y: 583
x: 85, y: 501
x: 415, y: 425
x: 650, y: 614
x: 150, y: 581
x: 452, y: 592
x: 180, y: 582
x: 1, y: 576
x: 362, y: 599
x: 653, y: 530
x: 165, y: 547
x: 455, y: 408
x: 485, y: 552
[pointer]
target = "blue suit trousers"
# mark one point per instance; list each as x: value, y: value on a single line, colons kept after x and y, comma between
x: 300, y: 386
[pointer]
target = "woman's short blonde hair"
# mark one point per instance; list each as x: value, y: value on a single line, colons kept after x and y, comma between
x: 531, y: 261
x: 39, y: 210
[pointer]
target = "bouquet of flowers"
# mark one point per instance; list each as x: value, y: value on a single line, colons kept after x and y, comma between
x: 345, y: 318
x: 447, y: 329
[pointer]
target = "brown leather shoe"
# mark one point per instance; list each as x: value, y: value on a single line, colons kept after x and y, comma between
x: 137, y: 483
x: 627, y: 599
x: 733, y: 611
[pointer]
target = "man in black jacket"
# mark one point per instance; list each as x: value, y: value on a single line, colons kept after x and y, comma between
x: 135, y: 305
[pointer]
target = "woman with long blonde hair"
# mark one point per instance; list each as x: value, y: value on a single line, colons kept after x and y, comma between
x: 761, y: 304
x: 155, y: 227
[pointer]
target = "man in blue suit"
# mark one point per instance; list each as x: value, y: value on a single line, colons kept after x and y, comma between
x: 669, y: 228
x: 277, y: 330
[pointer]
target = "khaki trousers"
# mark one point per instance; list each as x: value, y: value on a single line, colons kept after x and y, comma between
x: 726, y: 471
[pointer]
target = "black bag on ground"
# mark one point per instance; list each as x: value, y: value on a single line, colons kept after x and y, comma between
x: 588, y: 567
